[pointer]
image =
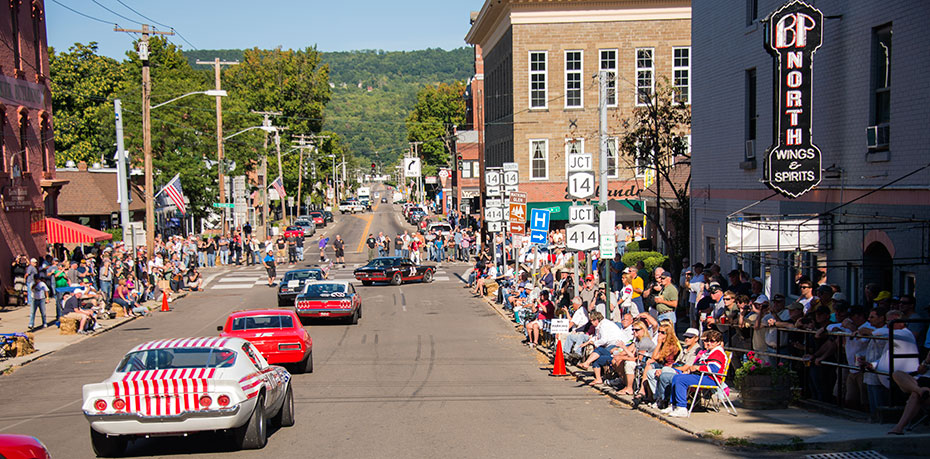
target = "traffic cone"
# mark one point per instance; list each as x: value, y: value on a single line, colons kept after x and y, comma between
x: 558, y: 369
x: 164, y: 302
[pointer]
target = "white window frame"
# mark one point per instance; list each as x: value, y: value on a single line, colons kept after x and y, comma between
x: 475, y: 169
x: 682, y: 68
x: 568, y: 142
x: 466, y: 169
x: 579, y: 72
x: 545, y: 143
x: 616, y: 142
x: 651, y: 70
x: 545, y: 79
x: 612, y: 73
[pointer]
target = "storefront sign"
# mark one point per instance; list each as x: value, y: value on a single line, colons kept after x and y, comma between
x: 16, y: 198
x: 793, y: 34
x: 14, y: 91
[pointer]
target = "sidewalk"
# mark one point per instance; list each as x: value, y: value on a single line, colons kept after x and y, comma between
x: 792, y: 429
x: 48, y: 340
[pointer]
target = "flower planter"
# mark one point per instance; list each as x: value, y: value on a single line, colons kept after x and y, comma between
x: 760, y: 392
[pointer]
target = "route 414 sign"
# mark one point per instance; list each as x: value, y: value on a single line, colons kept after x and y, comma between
x: 581, y: 237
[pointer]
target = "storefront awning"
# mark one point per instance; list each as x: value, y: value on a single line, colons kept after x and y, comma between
x: 626, y: 209
x: 65, y: 232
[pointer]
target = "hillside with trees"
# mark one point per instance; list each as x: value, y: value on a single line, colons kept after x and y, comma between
x: 373, y: 91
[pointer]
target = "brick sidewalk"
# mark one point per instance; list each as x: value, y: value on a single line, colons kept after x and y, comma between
x: 793, y: 428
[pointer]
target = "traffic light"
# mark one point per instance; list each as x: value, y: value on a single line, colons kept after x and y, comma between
x: 373, y: 166
x: 459, y: 161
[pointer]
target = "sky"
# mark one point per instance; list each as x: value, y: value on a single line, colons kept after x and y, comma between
x: 339, y: 25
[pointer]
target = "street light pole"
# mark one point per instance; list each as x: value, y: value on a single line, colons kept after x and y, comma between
x: 219, y: 134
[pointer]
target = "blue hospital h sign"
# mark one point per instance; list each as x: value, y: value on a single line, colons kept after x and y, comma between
x: 539, y: 226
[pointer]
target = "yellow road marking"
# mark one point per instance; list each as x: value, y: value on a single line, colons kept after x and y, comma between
x: 368, y: 219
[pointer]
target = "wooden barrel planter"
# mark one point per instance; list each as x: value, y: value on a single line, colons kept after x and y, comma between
x: 760, y: 392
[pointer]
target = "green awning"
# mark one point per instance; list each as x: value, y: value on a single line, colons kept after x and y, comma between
x: 627, y: 209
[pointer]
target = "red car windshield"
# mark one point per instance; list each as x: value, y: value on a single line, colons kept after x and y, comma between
x: 262, y: 322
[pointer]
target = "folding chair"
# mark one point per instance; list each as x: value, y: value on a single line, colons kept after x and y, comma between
x: 706, y: 391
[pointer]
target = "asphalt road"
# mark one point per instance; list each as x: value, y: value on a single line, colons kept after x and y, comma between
x: 428, y: 372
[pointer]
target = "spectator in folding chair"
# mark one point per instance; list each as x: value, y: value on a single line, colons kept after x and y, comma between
x: 917, y: 388
x: 607, y: 337
x: 545, y: 310
x: 663, y: 377
x: 576, y: 331
x: 713, y: 361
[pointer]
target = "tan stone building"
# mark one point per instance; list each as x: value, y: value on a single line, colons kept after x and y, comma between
x: 541, y: 61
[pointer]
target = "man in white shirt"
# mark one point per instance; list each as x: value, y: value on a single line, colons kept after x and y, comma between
x: 855, y: 347
x: 607, y: 336
x: 576, y: 335
x: 807, y: 295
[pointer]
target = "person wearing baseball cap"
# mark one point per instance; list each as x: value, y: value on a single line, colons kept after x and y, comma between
x: 667, y: 299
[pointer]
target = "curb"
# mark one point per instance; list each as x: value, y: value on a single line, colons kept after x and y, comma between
x: 4, y: 368
x: 888, y: 444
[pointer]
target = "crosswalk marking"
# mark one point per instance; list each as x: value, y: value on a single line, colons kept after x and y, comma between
x: 244, y: 280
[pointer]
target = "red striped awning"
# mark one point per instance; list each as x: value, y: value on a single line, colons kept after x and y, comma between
x: 65, y: 232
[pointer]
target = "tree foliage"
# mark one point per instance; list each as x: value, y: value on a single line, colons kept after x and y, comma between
x: 432, y: 121
x: 655, y: 138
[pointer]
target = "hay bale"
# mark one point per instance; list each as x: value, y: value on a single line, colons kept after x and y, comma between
x: 117, y: 311
x: 24, y: 346
x: 68, y: 326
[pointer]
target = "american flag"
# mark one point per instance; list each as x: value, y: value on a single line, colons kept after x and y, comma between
x: 278, y: 185
x: 175, y: 193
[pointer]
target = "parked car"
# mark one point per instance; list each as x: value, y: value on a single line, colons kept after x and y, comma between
x: 395, y: 270
x: 308, y: 226
x: 328, y: 216
x: 188, y: 385
x: 295, y: 230
x: 277, y: 333
x: 22, y: 447
x: 351, y: 207
x: 444, y: 228
x: 318, y: 218
x: 336, y: 299
x: 383, y: 200
x: 293, y: 284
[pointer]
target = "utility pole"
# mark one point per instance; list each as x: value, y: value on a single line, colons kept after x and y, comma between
x: 147, y: 132
x: 305, y: 141
x: 602, y: 191
x: 221, y: 165
x: 266, y: 121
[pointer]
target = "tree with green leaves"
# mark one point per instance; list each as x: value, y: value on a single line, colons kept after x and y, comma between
x: 432, y: 121
x: 656, y: 141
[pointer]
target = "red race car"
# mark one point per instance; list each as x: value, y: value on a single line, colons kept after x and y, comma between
x: 22, y: 447
x: 278, y: 335
x: 329, y: 299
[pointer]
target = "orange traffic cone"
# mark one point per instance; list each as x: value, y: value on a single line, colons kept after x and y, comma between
x: 558, y: 369
x: 164, y: 302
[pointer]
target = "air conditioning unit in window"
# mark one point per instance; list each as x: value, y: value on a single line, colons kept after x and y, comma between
x: 750, y: 152
x: 878, y: 136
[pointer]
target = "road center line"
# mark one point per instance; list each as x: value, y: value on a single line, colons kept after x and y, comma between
x: 32, y: 418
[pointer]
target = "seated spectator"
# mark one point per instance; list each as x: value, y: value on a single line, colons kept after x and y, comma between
x: 545, y: 310
x: 576, y: 331
x: 607, y: 337
x: 194, y: 280
x: 917, y: 389
x: 72, y: 310
x: 904, y: 343
x: 123, y: 297
x: 661, y: 379
x: 713, y: 361
x: 665, y: 353
x: 627, y: 359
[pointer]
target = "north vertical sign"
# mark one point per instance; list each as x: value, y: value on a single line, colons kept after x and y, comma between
x: 793, y: 34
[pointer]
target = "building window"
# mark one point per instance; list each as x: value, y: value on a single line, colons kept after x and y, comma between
x: 710, y: 254
x: 681, y: 72
x: 752, y: 11
x: 613, y: 170
x: 538, y: 90
x: 645, y: 75
x: 466, y: 169
x: 475, y: 169
x: 43, y: 143
x: 879, y: 131
x: 2, y: 141
x: 573, y: 93
x: 752, y: 114
x: 24, y: 142
x: 37, y: 35
x: 539, y: 159
x: 609, y: 65
x: 14, y: 23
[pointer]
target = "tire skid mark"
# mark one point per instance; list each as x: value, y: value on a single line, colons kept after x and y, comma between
x: 429, y: 368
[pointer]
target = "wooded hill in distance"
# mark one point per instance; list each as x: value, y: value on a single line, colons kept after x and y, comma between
x: 374, y: 90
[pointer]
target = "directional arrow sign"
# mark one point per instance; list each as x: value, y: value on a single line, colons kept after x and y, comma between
x: 495, y: 227
x: 411, y: 167
x: 581, y: 237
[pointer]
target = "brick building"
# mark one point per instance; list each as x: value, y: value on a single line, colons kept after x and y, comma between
x: 467, y: 181
x: 541, y: 61
x: 868, y: 217
x: 28, y: 184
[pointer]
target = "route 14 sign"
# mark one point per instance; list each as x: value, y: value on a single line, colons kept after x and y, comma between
x: 793, y: 163
x: 492, y: 178
x: 581, y: 237
x: 580, y: 176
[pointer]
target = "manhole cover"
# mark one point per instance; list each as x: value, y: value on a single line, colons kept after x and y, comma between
x: 848, y: 455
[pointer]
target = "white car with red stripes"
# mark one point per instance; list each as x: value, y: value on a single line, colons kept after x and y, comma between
x: 180, y: 386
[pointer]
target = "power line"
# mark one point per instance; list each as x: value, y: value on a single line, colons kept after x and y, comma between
x: 82, y: 14
x: 157, y: 23
x: 114, y: 12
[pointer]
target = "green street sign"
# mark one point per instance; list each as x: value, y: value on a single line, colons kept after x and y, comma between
x: 227, y: 205
x: 551, y: 209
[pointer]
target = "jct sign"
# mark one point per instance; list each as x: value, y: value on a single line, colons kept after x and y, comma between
x: 793, y: 34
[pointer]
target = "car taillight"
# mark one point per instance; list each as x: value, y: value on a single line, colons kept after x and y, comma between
x: 119, y: 404
x: 223, y: 400
x: 205, y: 401
x: 100, y: 405
x: 289, y: 347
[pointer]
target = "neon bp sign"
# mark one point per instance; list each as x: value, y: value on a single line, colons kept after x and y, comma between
x: 794, y: 32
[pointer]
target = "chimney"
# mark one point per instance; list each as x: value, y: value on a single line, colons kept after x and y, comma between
x: 82, y: 166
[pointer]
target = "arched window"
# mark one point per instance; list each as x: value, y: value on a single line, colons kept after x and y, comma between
x: 14, y: 23
x: 44, y: 139
x: 37, y: 29
x: 24, y: 140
